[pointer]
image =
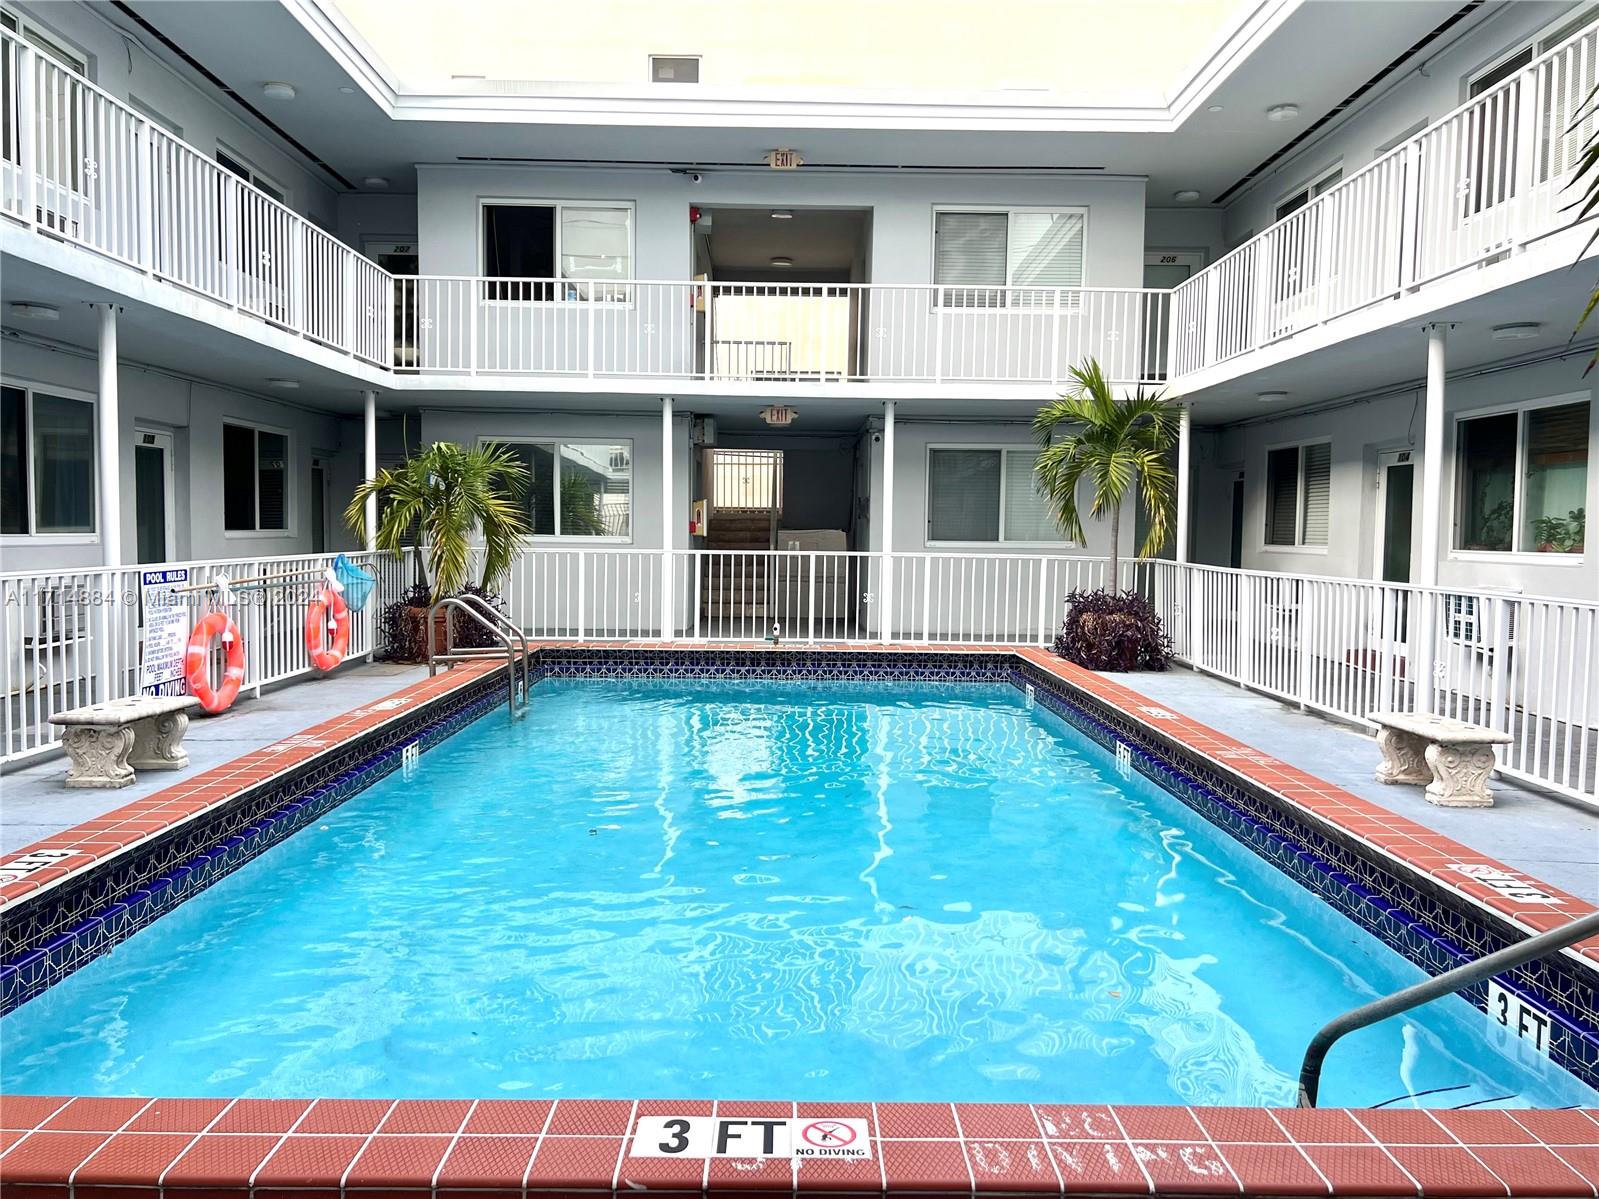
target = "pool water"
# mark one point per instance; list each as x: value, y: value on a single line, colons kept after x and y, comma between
x: 757, y: 890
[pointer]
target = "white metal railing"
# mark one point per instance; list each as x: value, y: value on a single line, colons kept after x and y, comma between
x: 747, y: 332
x: 75, y: 637
x: 1481, y: 182
x: 1526, y: 665
x: 78, y: 164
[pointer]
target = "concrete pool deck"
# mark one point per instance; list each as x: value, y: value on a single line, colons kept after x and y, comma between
x: 35, y: 802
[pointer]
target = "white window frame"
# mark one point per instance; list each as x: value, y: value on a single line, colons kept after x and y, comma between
x: 25, y: 25
x: 1008, y: 210
x: 1299, y: 546
x: 289, y: 489
x: 258, y: 179
x: 1004, y: 449
x: 631, y: 206
x: 1535, y: 41
x: 1518, y: 481
x: 1313, y: 188
x: 580, y: 439
x: 29, y: 387
x: 155, y: 116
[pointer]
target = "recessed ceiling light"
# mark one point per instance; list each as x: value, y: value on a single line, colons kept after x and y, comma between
x: 27, y: 310
x: 278, y: 91
x: 1213, y: 108
x: 1187, y: 196
x: 348, y: 91
x: 1272, y: 397
x: 782, y: 214
x: 1282, y: 112
x: 783, y: 262
x: 1517, y: 332
x: 284, y: 384
x: 375, y: 182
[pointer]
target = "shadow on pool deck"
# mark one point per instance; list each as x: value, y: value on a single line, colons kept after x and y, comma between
x: 1549, y: 838
x: 34, y: 801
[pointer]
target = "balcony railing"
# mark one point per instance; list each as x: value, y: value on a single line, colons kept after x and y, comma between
x: 1476, y: 185
x: 79, y: 165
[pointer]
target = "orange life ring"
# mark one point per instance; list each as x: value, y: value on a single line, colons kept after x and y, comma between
x: 330, y: 606
x: 196, y: 662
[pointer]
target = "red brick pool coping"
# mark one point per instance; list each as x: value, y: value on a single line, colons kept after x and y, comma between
x: 114, y: 1148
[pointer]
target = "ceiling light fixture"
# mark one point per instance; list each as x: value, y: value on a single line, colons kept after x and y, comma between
x: 375, y: 182
x: 278, y: 91
x: 348, y: 91
x: 1282, y: 112
x: 1272, y: 397
x: 1517, y: 332
x: 782, y: 214
x: 784, y: 262
x: 1213, y: 108
x: 284, y: 384
x: 28, y: 310
x: 1187, y: 196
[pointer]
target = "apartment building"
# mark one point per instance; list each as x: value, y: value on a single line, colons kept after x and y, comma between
x: 767, y: 312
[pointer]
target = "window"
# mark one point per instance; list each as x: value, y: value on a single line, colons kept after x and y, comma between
x: 977, y: 251
x: 577, y: 489
x: 229, y: 161
x: 1523, y: 480
x: 58, y: 116
x: 47, y: 475
x: 534, y: 244
x: 1306, y: 194
x: 1298, y: 494
x: 679, y: 68
x: 154, y: 116
x: 255, y: 470
x: 976, y: 495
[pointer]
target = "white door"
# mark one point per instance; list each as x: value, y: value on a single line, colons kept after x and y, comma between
x: 154, y: 520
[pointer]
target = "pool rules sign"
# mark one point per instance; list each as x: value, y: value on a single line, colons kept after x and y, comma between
x: 726, y: 1136
x: 166, y: 630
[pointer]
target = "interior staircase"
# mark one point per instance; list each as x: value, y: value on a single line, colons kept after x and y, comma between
x: 734, y: 587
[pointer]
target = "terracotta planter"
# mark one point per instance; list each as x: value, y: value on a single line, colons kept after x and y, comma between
x: 415, y: 618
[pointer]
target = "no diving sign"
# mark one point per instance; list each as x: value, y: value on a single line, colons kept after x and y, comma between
x: 718, y: 1136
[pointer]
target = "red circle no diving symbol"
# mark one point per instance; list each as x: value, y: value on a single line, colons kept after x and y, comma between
x: 827, y: 1134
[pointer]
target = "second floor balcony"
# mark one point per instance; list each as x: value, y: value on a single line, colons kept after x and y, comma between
x: 1480, y: 185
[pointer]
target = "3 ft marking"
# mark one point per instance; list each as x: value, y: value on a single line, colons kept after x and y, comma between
x: 1517, y: 1018
x: 1124, y: 759
x: 716, y: 1136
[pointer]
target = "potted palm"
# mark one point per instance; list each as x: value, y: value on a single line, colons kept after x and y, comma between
x: 1115, y: 447
x: 436, y: 504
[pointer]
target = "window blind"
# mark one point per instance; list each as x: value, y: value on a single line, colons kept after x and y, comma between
x: 1282, y: 494
x: 1317, y: 493
x: 1028, y: 516
x: 1046, y: 249
x: 969, y: 248
x: 963, y: 495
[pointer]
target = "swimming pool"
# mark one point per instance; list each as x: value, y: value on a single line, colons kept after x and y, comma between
x: 750, y: 889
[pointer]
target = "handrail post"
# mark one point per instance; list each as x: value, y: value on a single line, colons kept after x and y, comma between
x: 1437, y: 987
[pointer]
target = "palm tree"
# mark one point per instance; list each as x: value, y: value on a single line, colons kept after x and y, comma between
x: 439, y: 499
x: 1089, y: 434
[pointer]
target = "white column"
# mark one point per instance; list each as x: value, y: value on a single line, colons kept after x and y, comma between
x: 885, y: 590
x: 369, y: 461
x: 668, y: 520
x: 1185, y: 437
x: 1432, y: 457
x: 108, y: 423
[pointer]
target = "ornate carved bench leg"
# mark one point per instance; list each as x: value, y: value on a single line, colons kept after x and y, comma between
x: 1403, y: 758
x: 1460, y: 775
x: 99, y: 757
x: 158, y: 742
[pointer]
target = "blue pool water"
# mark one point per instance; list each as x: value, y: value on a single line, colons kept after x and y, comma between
x: 751, y: 890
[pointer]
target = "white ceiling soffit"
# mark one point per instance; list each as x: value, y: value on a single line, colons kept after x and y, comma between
x: 512, y: 102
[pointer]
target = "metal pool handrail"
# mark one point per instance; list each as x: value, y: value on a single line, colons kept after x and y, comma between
x: 1446, y: 983
x: 452, y: 654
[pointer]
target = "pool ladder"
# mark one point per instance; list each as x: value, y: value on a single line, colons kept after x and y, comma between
x: 518, y: 678
x: 1446, y: 983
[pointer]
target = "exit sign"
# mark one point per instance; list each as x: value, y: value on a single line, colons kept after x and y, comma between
x: 784, y: 160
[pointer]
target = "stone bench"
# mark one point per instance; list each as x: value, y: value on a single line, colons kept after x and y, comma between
x: 1452, y: 757
x: 107, y: 742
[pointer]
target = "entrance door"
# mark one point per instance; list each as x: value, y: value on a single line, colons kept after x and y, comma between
x: 152, y: 496
x: 1396, y: 481
x: 319, y: 495
x: 1164, y: 270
